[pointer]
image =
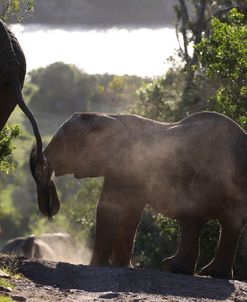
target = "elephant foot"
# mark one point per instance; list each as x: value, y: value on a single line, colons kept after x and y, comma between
x: 176, y: 265
x: 216, y: 272
x: 116, y: 263
x: 96, y: 262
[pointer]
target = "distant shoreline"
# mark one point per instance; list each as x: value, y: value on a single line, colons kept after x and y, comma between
x: 93, y: 23
x: 97, y: 25
x: 103, y: 13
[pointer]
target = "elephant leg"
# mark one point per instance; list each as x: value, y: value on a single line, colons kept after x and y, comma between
x: 125, y: 234
x: 7, y: 105
x: 106, y: 223
x: 222, y: 264
x: 185, y: 259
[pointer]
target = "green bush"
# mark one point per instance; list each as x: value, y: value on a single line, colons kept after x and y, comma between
x: 160, y: 99
x: 6, y: 148
x: 223, y: 65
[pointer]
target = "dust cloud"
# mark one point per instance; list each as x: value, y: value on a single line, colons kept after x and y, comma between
x: 59, y: 247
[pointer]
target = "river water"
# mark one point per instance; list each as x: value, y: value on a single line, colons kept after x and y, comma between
x: 142, y: 52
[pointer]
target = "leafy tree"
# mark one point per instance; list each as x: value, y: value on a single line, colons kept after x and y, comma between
x: 69, y: 89
x: 223, y: 66
x: 115, y: 93
x: 192, y: 24
x: 15, y: 8
x: 160, y: 99
x: 60, y: 88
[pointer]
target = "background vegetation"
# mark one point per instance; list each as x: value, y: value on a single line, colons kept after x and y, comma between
x: 16, y: 9
x: 213, y: 39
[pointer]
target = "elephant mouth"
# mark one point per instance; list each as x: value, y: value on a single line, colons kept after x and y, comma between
x: 93, y: 171
x: 80, y: 175
x: 61, y: 172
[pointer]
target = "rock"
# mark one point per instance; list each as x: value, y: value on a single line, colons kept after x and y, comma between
x: 109, y: 295
x: 5, y: 289
x: 18, y: 298
x: 4, y: 274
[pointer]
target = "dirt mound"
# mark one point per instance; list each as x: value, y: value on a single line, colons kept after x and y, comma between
x: 56, y: 281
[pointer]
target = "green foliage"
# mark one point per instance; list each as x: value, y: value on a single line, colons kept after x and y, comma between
x: 222, y: 61
x: 208, y: 243
x: 16, y: 8
x: 5, y: 299
x: 156, y: 239
x: 116, y: 93
x: 5, y: 283
x: 160, y: 99
x: 6, y: 135
x: 60, y: 88
x: 193, y: 24
x: 69, y: 89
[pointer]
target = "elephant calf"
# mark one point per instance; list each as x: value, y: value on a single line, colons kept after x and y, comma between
x: 193, y: 171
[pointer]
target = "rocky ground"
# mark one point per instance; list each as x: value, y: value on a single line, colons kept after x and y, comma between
x: 56, y: 281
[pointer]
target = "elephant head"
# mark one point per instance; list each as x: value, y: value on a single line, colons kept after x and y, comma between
x: 86, y: 145
x: 12, y: 74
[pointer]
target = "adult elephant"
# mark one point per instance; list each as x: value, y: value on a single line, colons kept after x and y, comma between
x: 12, y: 75
x: 193, y: 171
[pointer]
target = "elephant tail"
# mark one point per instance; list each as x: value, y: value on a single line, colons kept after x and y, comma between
x: 30, y: 116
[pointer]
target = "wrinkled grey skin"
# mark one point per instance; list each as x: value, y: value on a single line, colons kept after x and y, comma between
x: 12, y: 75
x: 52, y: 246
x: 193, y: 171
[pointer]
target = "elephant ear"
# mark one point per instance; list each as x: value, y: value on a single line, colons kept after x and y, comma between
x: 114, y: 140
x: 48, y: 200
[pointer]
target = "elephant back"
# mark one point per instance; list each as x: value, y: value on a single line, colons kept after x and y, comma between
x: 19, y: 55
x: 11, y: 54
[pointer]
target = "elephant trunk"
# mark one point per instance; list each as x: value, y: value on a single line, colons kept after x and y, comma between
x: 48, y: 201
